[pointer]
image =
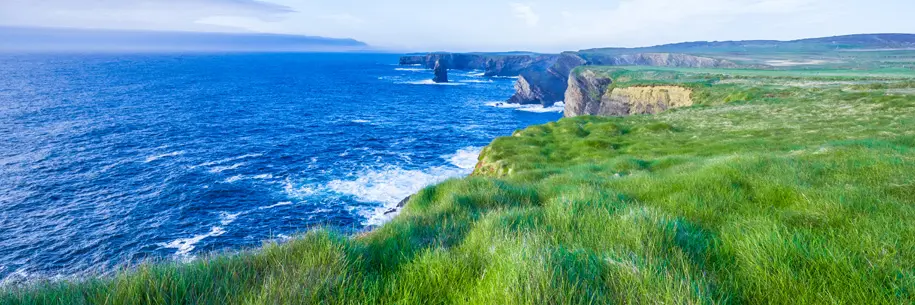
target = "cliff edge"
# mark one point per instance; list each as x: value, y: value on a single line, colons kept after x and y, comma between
x: 591, y: 93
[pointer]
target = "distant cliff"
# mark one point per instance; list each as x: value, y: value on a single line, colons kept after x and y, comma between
x: 658, y: 60
x: 592, y: 93
x: 491, y: 64
x: 549, y: 86
x: 543, y: 79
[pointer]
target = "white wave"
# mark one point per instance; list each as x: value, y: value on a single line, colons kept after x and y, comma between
x: 558, y: 107
x: 227, y: 218
x: 18, y: 276
x: 361, y: 121
x: 476, y: 73
x: 476, y: 81
x: 184, y: 246
x: 220, y: 169
x: 411, y: 69
x: 509, y: 77
x: 392, y: 184
x: 294, y: 191
x: 284, y: 203
x: 430, y: 82
x: 157, y: 157
x: 503, y: 105
x: 235, y: 178
x: 465, y: 158
x: 227, y: 160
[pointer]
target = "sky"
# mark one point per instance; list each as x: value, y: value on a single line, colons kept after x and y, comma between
x: 482, y: 25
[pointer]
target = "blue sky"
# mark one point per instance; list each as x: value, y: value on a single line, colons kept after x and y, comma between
x: 482, y: 25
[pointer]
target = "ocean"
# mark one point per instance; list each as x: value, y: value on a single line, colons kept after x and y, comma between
x: 110, y: 160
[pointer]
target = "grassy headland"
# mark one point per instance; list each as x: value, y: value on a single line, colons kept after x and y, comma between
x: 777, y: 187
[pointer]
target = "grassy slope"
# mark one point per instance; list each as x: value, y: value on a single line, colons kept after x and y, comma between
x: 782, y: 188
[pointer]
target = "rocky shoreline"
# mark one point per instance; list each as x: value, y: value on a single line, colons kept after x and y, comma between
x: 544, y: 78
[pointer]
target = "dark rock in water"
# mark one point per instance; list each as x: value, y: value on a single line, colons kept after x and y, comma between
x: 441, y: 72
x: 399, y: 207
x: 403, y: 202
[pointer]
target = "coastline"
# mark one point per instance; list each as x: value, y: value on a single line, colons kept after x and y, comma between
x: 661, y: 184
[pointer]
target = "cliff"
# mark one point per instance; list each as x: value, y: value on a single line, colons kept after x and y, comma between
x: 548, y: 87
x: 491, y: 64
x: 584, y: 94
x: 659, y: 60
x: 591, y: 93
x: 543, y: 79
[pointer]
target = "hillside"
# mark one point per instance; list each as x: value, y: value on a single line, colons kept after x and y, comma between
x: 835, y: 43
x: 774, y: 187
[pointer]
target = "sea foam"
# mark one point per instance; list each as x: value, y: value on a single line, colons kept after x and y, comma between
x: 430, y: 82
x: 411, y: 69
x: 157, y: 157
x: 391, y: 184
x: 184, y: 246
x: 558, y: 107
x: 284, y: 203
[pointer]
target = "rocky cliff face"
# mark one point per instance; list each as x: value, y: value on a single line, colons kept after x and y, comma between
x: 589, y: 93
x: 661, y: 60
x: 584, y: 93
x: 543, y: 79
x: 492, y: 65
x: 548, y: 86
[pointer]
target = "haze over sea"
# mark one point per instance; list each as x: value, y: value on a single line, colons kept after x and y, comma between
x: 109, y: 160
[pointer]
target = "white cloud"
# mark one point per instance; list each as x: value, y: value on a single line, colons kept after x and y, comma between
x: 526, y: 13
x: 136, y: 14
x: 483, y: 25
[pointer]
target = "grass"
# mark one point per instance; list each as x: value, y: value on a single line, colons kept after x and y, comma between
x: 763, y: 193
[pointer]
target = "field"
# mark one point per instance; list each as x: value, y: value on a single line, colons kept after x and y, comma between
x: 789, y: 186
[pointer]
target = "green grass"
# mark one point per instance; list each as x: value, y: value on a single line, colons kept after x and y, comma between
x: 763, y: 193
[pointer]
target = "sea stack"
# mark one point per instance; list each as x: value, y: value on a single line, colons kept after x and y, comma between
x: 441, y: 72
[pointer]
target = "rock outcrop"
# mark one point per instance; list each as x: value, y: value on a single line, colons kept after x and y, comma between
x: 589, y: 93
x: 546, y: 87
x: 441, y: 72
x: 525, y: 93
x: 584, y: 93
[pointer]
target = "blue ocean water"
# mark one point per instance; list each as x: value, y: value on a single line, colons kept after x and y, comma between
x: 108, y: 160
